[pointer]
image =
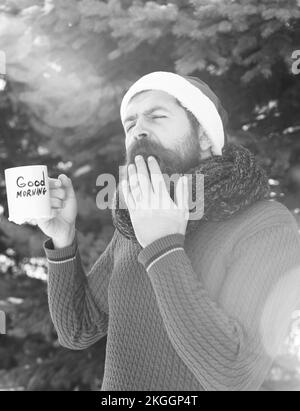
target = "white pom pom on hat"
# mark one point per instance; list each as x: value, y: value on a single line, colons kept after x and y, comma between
x: 193, y: 94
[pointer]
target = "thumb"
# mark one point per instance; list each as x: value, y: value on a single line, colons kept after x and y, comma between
x: 67, y: 184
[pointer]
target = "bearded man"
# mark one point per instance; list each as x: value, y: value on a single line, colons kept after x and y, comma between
x: 186, y: 304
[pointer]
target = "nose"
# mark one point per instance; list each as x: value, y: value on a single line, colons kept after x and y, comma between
x: 140, y: 132
x: 140, y: 135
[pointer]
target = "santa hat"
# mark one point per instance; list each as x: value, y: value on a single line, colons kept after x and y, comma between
x: 193, y: 94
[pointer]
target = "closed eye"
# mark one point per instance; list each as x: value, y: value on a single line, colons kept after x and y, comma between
x: 130, y: 127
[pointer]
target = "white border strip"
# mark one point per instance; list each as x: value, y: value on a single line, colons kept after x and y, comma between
x: 163, y: 255
x: 61, y: 262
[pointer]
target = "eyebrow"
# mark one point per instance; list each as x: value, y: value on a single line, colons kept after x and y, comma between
x: 151, y: 110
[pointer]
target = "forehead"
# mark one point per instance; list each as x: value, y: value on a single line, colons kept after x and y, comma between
x: 149, y: 98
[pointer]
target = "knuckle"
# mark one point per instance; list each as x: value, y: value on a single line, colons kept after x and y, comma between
x: 56, y: 201
x: 62, y: 192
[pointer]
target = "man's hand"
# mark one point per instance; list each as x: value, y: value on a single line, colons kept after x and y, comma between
x: 152, y: 211
x: 61, y: 226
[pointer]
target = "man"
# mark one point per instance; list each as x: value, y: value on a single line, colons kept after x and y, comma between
x: 186, y: 304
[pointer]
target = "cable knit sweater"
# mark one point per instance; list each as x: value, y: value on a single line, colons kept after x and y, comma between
x: 207, y: 311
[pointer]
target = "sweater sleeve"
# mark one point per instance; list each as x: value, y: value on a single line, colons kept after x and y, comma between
x: 78, y: 302
x: 228, y: 344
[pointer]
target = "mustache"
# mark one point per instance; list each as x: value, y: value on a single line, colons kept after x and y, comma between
x: 169, y: 161
x: 143, y: 147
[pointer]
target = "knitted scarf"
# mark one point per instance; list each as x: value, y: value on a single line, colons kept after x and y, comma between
x: 232, y: 182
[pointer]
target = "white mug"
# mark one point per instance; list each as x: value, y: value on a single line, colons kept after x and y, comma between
x: 27, y: 190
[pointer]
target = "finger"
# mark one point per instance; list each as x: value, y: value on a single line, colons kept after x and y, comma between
x: 182, y: 193
x: 67, y: 184
x: 187, y: 199
x: 31, y: 221
x: 58, y: 193
x: 143, y: 177
x: 129, y: 200
x: 134, y: 184
x: 54, y: 212
x: 56, y: 203
x: 54, y: 183
x: 186, y: 192
x: 157, y: 179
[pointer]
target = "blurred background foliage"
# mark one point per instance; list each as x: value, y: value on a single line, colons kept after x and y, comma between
x: 68, y: 64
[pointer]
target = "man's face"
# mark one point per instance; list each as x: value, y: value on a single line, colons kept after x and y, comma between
x: 156, y: 125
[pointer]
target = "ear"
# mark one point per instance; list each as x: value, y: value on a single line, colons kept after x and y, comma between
x: 204, y: 140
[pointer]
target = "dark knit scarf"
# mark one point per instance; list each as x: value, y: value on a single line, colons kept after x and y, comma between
x: 232, y: 182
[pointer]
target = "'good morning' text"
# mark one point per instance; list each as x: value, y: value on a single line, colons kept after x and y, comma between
x: 36, y: 188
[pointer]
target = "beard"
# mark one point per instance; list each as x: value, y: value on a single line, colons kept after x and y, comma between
x: 176, y: 161
x: 179, y: 160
